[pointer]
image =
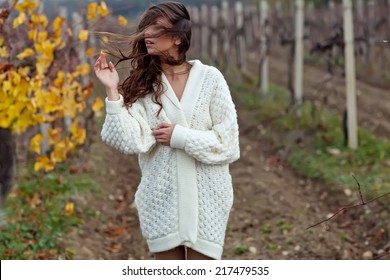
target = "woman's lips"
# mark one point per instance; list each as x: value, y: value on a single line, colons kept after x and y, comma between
x: 148, y: 43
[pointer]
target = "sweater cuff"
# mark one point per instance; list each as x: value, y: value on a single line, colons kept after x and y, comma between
x: 178, y: 138
x: 115, y: 106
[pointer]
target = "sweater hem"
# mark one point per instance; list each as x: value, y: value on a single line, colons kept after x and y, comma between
x: 171, y: 241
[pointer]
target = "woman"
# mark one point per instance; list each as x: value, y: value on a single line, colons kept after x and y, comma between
x: 179, y: 117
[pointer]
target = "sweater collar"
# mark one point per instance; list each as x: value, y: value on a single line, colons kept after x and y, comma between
x: 191, y: 90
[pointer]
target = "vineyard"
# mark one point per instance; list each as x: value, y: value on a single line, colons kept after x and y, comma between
x: 310, y: 81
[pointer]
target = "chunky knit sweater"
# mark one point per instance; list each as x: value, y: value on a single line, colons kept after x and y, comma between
x: 185, y: 194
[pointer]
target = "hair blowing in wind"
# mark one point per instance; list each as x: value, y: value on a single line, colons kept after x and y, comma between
x: 145, y: 73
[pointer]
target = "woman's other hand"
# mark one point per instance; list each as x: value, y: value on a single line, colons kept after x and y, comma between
x: 108, y: 76
x: 163, y: 133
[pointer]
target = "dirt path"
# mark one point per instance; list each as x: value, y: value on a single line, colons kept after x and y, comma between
x: 272, y: 209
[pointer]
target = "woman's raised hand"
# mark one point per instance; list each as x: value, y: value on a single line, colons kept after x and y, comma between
x: 107, y: 75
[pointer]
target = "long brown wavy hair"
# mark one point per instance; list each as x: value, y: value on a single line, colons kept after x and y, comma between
x: 145, y: 73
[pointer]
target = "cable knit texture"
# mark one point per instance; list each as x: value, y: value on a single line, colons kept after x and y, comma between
x: 185, y: 194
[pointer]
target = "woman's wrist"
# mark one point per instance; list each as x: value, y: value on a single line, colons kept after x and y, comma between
x: 112, y: 94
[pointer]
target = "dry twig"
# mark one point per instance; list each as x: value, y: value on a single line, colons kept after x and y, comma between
x: 344, y: 209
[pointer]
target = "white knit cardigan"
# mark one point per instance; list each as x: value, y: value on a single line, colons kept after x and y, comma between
x: 185, y: 194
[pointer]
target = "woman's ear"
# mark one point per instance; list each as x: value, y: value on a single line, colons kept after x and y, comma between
x: 177, y: 41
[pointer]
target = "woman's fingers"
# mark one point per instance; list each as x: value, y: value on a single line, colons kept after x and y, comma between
x: 97, y: 65
x: 103, y: 61
x: 158, y: 132
x: 101, y: 64
x: 111, y: 65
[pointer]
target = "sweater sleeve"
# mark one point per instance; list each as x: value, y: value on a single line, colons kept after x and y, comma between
x: 127, y: 130
x: 220, y: 144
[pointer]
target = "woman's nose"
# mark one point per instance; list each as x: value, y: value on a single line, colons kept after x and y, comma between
x: 148, y: 32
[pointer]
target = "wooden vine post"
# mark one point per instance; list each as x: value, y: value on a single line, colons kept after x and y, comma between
x: 204, y: 11
x: 350, y: 75
x: 298, y: 78
x: 264, y: 47
x: 241, y: 48
x: 214, y: 34
x: 225, y: 34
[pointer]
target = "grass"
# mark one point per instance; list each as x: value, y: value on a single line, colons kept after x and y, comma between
x: 320, y: 153
x: 241, y: 250
x: 40, y: 210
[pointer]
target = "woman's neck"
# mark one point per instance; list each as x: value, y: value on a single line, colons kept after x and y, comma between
x: 173, y: 71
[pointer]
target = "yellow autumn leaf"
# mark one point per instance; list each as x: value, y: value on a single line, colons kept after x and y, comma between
x: 69, y: 145
x: 27, y: 5
x: 4, y: 52
x: 51, y: 103
x: 78, y: 133
x: 42, y: 36
x: 43, y: 163
x: 122, y: 20
x: 16, y: 79
x: 83, y: 35
x: 83, y: 69
x: 6, y: 86
x: 24, y: 71
x: 102, y: 9
x: 97, y: 105
x: 57, y: 23
x: 24, y: 120
x: 91, y: 11
x: 5, y: 121
x: 19, y: 20
x: 1, y: 41
x: 69, y: 208
x: 59, y: 152
x: 39, y: 20
x: 32, y: 34
x: 46, y: 47
x: 35, y: 143
x: 54, y: 135
x: 90, y: 51
x: 26, y: 53
x: 60, y: 79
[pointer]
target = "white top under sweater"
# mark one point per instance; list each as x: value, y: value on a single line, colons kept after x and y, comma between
x: 185, y: 194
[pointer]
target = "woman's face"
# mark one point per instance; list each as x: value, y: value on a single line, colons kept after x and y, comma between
x: 163, y: 44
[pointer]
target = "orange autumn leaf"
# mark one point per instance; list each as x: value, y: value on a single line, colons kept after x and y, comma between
x: 54, y: 135
x: 90, y: 51
x: 34, y: 201
x: 69, y: 208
